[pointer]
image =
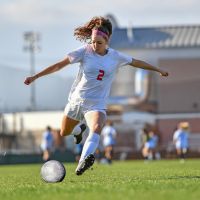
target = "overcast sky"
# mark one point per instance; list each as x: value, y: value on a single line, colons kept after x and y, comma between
x: 56, y: 19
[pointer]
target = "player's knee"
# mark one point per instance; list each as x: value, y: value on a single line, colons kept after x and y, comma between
x: 97, y: 128
x: 64, y: 132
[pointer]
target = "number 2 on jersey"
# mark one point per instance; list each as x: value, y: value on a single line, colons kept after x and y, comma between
x: 100, y: 75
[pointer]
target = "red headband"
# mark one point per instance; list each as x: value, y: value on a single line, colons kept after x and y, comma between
x: 101, y: 33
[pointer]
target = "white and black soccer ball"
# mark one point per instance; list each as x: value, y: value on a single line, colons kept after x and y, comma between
x: 53, y: 171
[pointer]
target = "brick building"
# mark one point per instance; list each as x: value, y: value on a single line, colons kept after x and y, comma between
x: 169, y: 100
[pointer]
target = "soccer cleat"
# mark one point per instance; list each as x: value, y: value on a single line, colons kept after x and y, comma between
x: 78, y: 138
x: 85, y: 164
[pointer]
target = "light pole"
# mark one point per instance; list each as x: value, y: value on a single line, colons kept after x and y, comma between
x: 31, y: 44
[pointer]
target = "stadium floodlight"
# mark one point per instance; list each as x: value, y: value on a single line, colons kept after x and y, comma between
x: 31, y: 45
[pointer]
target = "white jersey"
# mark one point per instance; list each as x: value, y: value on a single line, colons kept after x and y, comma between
x: 96, y: 73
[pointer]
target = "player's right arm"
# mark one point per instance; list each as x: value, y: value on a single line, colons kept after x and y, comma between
x: 51, y: 69
x: 175, y: 137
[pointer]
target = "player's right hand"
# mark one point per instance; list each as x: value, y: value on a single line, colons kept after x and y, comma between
x: 29, y: 80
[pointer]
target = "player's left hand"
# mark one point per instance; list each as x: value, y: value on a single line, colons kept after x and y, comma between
x: 163, y: 73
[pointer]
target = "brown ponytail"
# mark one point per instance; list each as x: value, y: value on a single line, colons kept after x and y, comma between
x: 83, y: 33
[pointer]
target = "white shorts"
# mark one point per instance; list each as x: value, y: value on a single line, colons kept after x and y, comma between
x: 77, y: 111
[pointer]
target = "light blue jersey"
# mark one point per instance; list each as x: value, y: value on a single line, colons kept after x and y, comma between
x: 109, y: 136
x: 152, y: 142
x: 47, y: 141
x: 181, y: 139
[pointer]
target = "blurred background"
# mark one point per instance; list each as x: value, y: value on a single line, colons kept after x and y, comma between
x: 36, y: 34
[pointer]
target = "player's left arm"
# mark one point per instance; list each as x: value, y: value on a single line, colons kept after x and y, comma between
x: 143, y: 65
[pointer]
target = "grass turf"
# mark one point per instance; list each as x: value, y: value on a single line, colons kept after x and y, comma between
x: 167, y: 179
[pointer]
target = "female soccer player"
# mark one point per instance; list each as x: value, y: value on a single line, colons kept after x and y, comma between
x: 180, y: 139
x: 88, y: 95
x: 109, y: 139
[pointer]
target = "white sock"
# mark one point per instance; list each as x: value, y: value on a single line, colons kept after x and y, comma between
x: 90, y: 145
x: 76, y: 130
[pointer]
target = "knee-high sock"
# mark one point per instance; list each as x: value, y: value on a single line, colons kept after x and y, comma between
x: 90, y: 145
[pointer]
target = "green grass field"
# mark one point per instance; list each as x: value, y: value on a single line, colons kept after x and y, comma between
x: 122, y: 180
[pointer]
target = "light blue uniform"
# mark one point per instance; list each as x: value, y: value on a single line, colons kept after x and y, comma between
x: 152, y: 142
x: 109, y: 135
x: 47, y: 141
x: 181, y: 139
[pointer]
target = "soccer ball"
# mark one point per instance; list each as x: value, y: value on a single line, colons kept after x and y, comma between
x: 53, y: 171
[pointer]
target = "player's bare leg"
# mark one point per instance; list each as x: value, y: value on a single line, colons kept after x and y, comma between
x: 95, y: 121
x: 68, y: 127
